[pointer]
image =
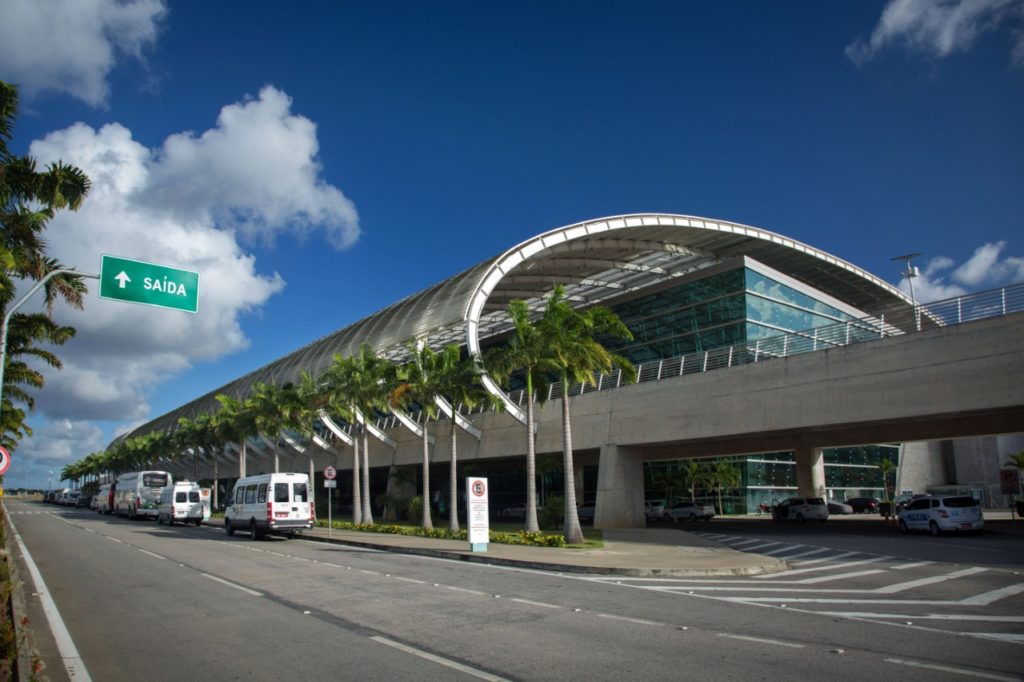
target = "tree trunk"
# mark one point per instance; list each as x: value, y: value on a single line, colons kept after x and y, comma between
x: 571, y: 527
x: 531, y: 462
x: 357, y: 504
x: 453, y: 480
x: 216, y: 480
x: 365, y: 473
x: 425, y: 521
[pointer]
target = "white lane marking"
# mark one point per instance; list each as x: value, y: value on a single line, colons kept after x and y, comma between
x: 784, y: 549
x: 924, y: 616
x: 535, y: 603
x: 949, y: 669
x: 1001, y: 636
x: 986, y: 598
x: 812, y: 552
x: 462, y: 589
x: 739, y: 543
x: 761, y: 546
x: 409, y: 580
x: 638, y: 621
x: 808, y: 600
x: 231, y: 584
x: 448, y: 663
x: 815, y: 569
x: 152, y: 554
x: 839, y: 576
x: 73, y: 663
x: 762, y: 640
x: 837, y: 557
x: 918, y: 564
x: 900, y: 587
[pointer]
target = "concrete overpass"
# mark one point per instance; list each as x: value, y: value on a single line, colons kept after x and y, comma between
x: 947, y: 382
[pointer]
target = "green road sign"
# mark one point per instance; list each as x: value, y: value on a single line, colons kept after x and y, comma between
x: 123, y: 279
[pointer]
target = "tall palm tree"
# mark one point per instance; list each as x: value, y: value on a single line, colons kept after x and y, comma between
x: 694, y: 473
x: 578, y: 356
x: 361, y: 384
x: 29, y: 198
x: 722, y: 475
x: 337, y: 400
x: 417, y: 382
x: 525, y: 352
x: 887, y: 468
x: 235, y: 422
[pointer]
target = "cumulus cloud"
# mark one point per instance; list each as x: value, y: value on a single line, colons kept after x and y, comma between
x: 59, y: 443
x: 938, y: 28
x: 987, y: 268
x: 70, y: 46
x: 181, y: 208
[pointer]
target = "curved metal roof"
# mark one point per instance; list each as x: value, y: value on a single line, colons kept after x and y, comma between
x: 596, y: 261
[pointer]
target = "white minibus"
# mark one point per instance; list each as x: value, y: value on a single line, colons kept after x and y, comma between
x: 103, y: 503
x: 138, y: 493
x: 279, y: 503
x: 180, y: 502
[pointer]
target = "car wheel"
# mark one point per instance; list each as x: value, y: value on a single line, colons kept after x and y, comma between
x: 170, y: 520
x: 252, y: 530
x: 227, y: 527
x: 800, y: 518
x: 199, y: 522
x: 693, y: 518
x: 903, y: 526
x: 933, y: 528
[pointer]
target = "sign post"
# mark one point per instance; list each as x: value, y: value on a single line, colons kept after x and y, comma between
x: 329, y: 483
x: 136, y: 281
x: 477, y: 516
x: 1009, y: 484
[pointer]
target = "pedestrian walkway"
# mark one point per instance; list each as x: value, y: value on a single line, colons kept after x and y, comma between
x: 639, y: 552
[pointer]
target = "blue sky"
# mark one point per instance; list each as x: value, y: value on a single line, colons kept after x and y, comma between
x: 317, y: 161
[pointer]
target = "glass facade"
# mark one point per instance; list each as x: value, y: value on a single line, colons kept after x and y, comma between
x: 723, y: 309
x: 734, y: 307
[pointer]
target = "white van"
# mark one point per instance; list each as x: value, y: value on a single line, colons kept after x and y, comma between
x: 180, y: 502
x: 270, y: 503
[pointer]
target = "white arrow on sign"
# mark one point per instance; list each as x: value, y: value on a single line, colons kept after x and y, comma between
x: 122, y: 278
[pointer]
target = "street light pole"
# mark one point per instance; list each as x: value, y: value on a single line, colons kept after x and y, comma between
x: 910, y: 273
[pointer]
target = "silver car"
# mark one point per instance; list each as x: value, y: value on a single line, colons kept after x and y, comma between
x: 942, y: 513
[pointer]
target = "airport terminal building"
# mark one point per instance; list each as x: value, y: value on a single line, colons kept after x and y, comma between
x: 703, y: 299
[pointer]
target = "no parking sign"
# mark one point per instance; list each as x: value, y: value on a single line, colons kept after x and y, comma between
x: 5, y: 460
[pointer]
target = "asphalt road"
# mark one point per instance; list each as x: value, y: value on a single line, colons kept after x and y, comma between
x: 151, y: 602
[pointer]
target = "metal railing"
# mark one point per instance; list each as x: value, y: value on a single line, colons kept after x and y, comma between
x: 923, y: 317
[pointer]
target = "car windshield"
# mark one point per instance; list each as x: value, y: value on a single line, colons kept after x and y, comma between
x: 815, y: 500
x: 960, y: 502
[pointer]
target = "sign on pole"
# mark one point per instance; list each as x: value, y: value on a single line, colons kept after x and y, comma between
x: 5, y: 460
x: 135, y: 281
x: 477, y: 516
x: 1009, y: 481
x: 330, y: 473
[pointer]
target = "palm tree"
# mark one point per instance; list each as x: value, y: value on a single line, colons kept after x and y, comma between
x: 235, y: 421
x: 1016, y: 460
x: 721, y: 475
x: 28, y: 200
x: 418, y: 383
x: 694, y: 474
x: 886, y: 467
x: 459, y: 379
x: 526, y: 352
x: 337, y: 400
x: 361, y: 384
x: 578, y: 356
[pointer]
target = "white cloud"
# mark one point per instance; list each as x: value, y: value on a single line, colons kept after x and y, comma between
x: 70, y: 45
x: 182, y: 209
x: 987, y: 268
x: 59, y: 443
x: 938, y: 28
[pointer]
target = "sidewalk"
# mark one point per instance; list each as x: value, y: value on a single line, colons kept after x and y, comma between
x: 639, y: 552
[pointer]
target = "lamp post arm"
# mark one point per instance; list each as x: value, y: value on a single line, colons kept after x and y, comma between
x: 7, y: 317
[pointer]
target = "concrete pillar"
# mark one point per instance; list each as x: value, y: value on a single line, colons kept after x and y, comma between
x: 620, y: 488
x: 810, y: 472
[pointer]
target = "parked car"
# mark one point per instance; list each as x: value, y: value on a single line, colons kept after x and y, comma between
x: 585, y: 511
x: 903, y: 499
x: 863, y: 505
x: 84, y: 501
x: 835, y: 507
x: 278, y: 503
x: 654, y: 510
x: 181, y: 501
x: 942, y: 513
x: 801, y: 509
x: 70, y: 498
x: 691, y: 511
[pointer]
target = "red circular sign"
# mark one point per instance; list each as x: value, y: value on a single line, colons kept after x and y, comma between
x: 479, y: 488
x: 330, y: 472
x: 5, y: 460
